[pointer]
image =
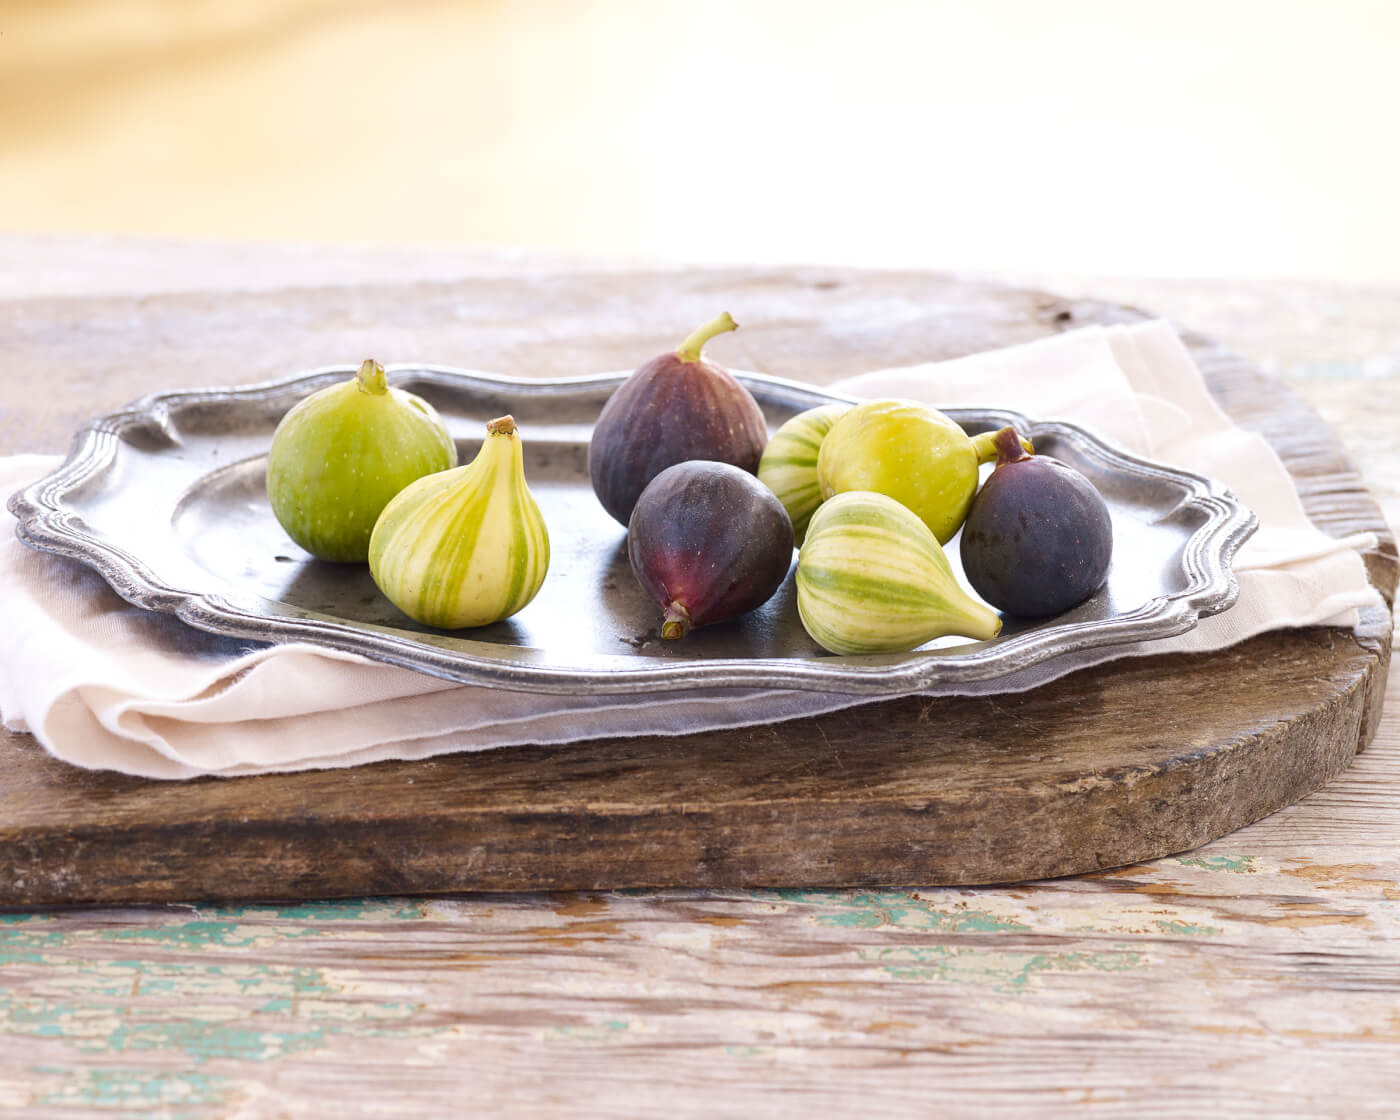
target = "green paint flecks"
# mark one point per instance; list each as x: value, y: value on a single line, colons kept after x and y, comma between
x: 28, y: 946
x: 133, y: 1089
x: 1003, y: 970
x: 1238, y: 865
x: 111, y: 1006
x: 337, y: 910
x: 870, y: 910
x: 1187, y: 929
x: 607, y: 1030
x: 204, y: 1040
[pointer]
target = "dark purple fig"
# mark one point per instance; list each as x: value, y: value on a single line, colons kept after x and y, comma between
x: 708, y: 542
x: 676, y: 407
x: 1038, y: 537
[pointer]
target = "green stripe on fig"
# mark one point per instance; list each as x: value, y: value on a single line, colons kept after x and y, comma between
x: 871, y: 578
x: 789, y: 463
x: 467, y: 548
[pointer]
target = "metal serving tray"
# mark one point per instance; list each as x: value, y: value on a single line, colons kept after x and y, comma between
x: 166, y: 500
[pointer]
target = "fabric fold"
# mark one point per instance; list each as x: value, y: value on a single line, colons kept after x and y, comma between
x: 105, y: 685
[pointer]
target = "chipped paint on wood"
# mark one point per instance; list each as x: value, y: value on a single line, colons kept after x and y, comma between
x: 998, y: 970
x: 1254, y: 977
x: 1236, y: 865
x: 910, y: 910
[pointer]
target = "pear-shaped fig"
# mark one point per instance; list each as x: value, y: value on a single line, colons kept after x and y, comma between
x: 789, y: 463
x: 909, y: 451
x: 338, y: 456
x: 708, y: 542
x: 676, y: 407
x: 464, y: 547
x: 1038, y: 539
x: 871, y: 578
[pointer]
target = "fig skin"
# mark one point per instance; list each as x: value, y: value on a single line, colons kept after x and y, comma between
x: 676, y: 407
x: 708, y: 542
x: 789, y: 463
x: 1038, y: 539
x: 872, y: 578
x: 910, y: 452
x: 464, y: 547
x: 340, y: 455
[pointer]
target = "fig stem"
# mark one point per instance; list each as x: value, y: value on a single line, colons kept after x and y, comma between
x: 689, y: 350
x: 1002, y: 446
x: 370, y: 377
x: 677, y: 622
x: 501, y: 426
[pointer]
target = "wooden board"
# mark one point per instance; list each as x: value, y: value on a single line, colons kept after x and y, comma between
x: 1107, y: 767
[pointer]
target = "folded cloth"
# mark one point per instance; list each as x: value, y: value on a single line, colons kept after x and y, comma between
x: 105, y: 685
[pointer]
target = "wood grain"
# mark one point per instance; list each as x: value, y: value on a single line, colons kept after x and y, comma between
x: 1257, y: 976
x: 1109, y: 766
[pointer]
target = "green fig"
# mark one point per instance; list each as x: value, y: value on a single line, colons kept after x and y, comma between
x: 338, y: 456
x: 911, y: 452
x: 789, y: 463
x: 871, y: 578
x: 464, y: 547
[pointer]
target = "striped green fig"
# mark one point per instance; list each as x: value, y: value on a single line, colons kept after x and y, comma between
x: 789, y: 463
x: 339, y: 455
x: 872, y: 578
x: 464, y: 547
x: 915, y: 454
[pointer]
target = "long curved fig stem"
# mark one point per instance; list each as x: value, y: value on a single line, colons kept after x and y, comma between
x: 689, y: 350
x: 677, y: 623
x: 1003, y: 446
x: 370, y: 377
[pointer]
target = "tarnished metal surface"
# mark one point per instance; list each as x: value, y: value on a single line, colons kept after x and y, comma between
x: 167, y: 500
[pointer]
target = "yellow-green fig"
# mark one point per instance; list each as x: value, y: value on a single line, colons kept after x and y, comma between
x: 338, y: 456
x: 911, y: 452
x: 789, y: 463
x: 871, y: 578
x: 464, y: 547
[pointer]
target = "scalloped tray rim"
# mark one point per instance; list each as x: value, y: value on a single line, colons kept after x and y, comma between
x: 45, y: 523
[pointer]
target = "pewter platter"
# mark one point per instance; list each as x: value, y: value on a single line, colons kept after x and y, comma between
x: 166, y: 500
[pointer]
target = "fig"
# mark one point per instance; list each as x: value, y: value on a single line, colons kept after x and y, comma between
x: 1038, y: 539
x: 708, y: 542
x: 677, y: 406
x: 338, y: 456
x: 789, y: 463
x: 910, y: 452
x: 872, y: 578
x: 464, y: 547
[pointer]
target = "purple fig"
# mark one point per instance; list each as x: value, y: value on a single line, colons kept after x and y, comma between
x: 708, y: 542
x: 676, y: 407
x: 1038, y: 538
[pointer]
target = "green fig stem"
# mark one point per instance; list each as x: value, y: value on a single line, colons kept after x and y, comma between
x: 370, y: 377
x: 689, y: 350
x: 501, y: 426
x: 1001, y: 446
x: 677, y: 623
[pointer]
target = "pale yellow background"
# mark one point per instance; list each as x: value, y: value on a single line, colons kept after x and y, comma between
x: 1190, y: 138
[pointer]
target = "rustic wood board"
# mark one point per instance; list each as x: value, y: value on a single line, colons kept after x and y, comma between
x: 1107, y: 767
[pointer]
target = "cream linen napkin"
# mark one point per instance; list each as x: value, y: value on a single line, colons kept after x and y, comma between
x: 105, y: 685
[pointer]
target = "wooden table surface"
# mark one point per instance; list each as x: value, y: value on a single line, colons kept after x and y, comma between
x: 1259, y: 975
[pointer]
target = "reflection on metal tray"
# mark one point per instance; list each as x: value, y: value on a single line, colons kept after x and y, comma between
x: 166, y: 500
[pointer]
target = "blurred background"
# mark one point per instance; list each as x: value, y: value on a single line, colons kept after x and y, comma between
x: 1191, y: 138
